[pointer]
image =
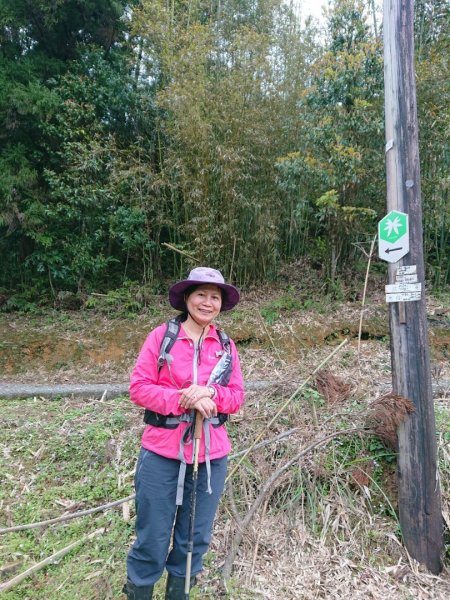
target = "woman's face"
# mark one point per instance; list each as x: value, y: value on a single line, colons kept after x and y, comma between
x: 204, y: 303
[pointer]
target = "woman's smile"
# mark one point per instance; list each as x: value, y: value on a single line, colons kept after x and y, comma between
x: 204, y: 303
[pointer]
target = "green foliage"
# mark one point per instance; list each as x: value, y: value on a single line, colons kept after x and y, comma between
x: 57, y: 29
x: 334, y: 173
x: 72, y: 128
x: 126, y: 301
x: 433, y: 96
x: 274, y: 310
x: 222, y: 129
x: 22, y: 301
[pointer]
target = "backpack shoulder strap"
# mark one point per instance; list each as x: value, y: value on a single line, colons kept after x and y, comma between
x: 170, y: 336
x: 224, y: 340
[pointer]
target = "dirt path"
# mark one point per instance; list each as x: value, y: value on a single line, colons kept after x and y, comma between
x: 112, y: 390
x: 17, y: 390
x: 87, y: 390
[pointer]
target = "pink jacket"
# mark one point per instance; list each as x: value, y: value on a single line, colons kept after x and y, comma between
x: 158, y: 391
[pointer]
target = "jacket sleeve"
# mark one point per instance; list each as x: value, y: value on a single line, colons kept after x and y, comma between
x: 144, y: 387
x: 230, y: 398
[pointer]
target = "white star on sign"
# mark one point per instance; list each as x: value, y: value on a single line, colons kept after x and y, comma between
x: 392, y: 226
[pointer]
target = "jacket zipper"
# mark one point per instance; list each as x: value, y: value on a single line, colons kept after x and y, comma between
x: 195, y: 365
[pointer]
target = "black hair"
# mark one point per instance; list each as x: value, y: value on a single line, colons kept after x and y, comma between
x: 188, y: 291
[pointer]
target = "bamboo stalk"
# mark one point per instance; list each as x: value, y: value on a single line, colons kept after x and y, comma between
x: 364, y: 294
x: 288, y: 401
x: 75, y: 515
x: 232, y: 259
x: 4, y: 587
x: 270, y: 337
x: 175, y: 249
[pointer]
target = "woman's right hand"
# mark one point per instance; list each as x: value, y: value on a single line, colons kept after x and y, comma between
x: 199, y: 398
x: 206, y: 407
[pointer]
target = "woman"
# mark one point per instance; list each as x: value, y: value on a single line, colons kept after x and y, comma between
x: 198, y: 372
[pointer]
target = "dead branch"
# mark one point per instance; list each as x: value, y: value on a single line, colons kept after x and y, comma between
x: 4, y: 587
x: 278, y: 437
x: 286, y: 404
x: 244, y: 523
x: 74, y: 515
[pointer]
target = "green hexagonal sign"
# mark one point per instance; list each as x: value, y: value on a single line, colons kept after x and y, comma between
x: 393, y: 226
x: 393, y: 236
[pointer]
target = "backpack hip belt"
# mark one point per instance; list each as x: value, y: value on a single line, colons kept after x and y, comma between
x: 172, y: 421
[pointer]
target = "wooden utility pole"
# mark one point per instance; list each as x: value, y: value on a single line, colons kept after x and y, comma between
x: 419, y: 490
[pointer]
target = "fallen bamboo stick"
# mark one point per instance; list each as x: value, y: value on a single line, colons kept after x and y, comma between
x: 183, y: 252
x: 90, y: 511
x: 75, y: 515
x: 288, y: 401
x: 4, y: 587
x: 366, y: 281
x: 242, y: 523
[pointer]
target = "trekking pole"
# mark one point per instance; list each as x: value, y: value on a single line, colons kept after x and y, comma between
x: 288, y: 401
x: 190, y: 545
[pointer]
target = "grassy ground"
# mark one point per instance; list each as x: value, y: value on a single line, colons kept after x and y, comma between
x: 326, y: 528
x: 60, y: 456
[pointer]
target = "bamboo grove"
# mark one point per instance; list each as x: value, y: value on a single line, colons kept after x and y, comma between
x: 139, y: 138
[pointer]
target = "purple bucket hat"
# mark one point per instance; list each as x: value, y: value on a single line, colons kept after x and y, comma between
x: 198, y: 276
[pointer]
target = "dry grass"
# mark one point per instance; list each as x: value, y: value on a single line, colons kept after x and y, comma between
x: 294, y: 565
x: 334, y: 389
x: 385, y: 415
x: 328, y: 527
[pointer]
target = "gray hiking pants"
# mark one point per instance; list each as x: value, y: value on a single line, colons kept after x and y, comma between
x: 157, y: 514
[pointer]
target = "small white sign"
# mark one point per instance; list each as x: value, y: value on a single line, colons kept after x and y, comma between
x: 404, y: 297
x: 407, y: 270
x: 403, y: 287
x: 406, y: 279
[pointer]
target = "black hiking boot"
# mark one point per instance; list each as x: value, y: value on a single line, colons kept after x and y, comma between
x: 133, y: 592
x: 175, y: 587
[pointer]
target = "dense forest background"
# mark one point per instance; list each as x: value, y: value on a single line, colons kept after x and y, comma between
x: 138, y: 137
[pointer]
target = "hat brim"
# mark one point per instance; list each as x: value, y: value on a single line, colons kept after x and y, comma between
x: 176, y: 294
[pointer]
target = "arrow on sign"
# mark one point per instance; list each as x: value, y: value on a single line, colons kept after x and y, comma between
x: 393, y: 249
